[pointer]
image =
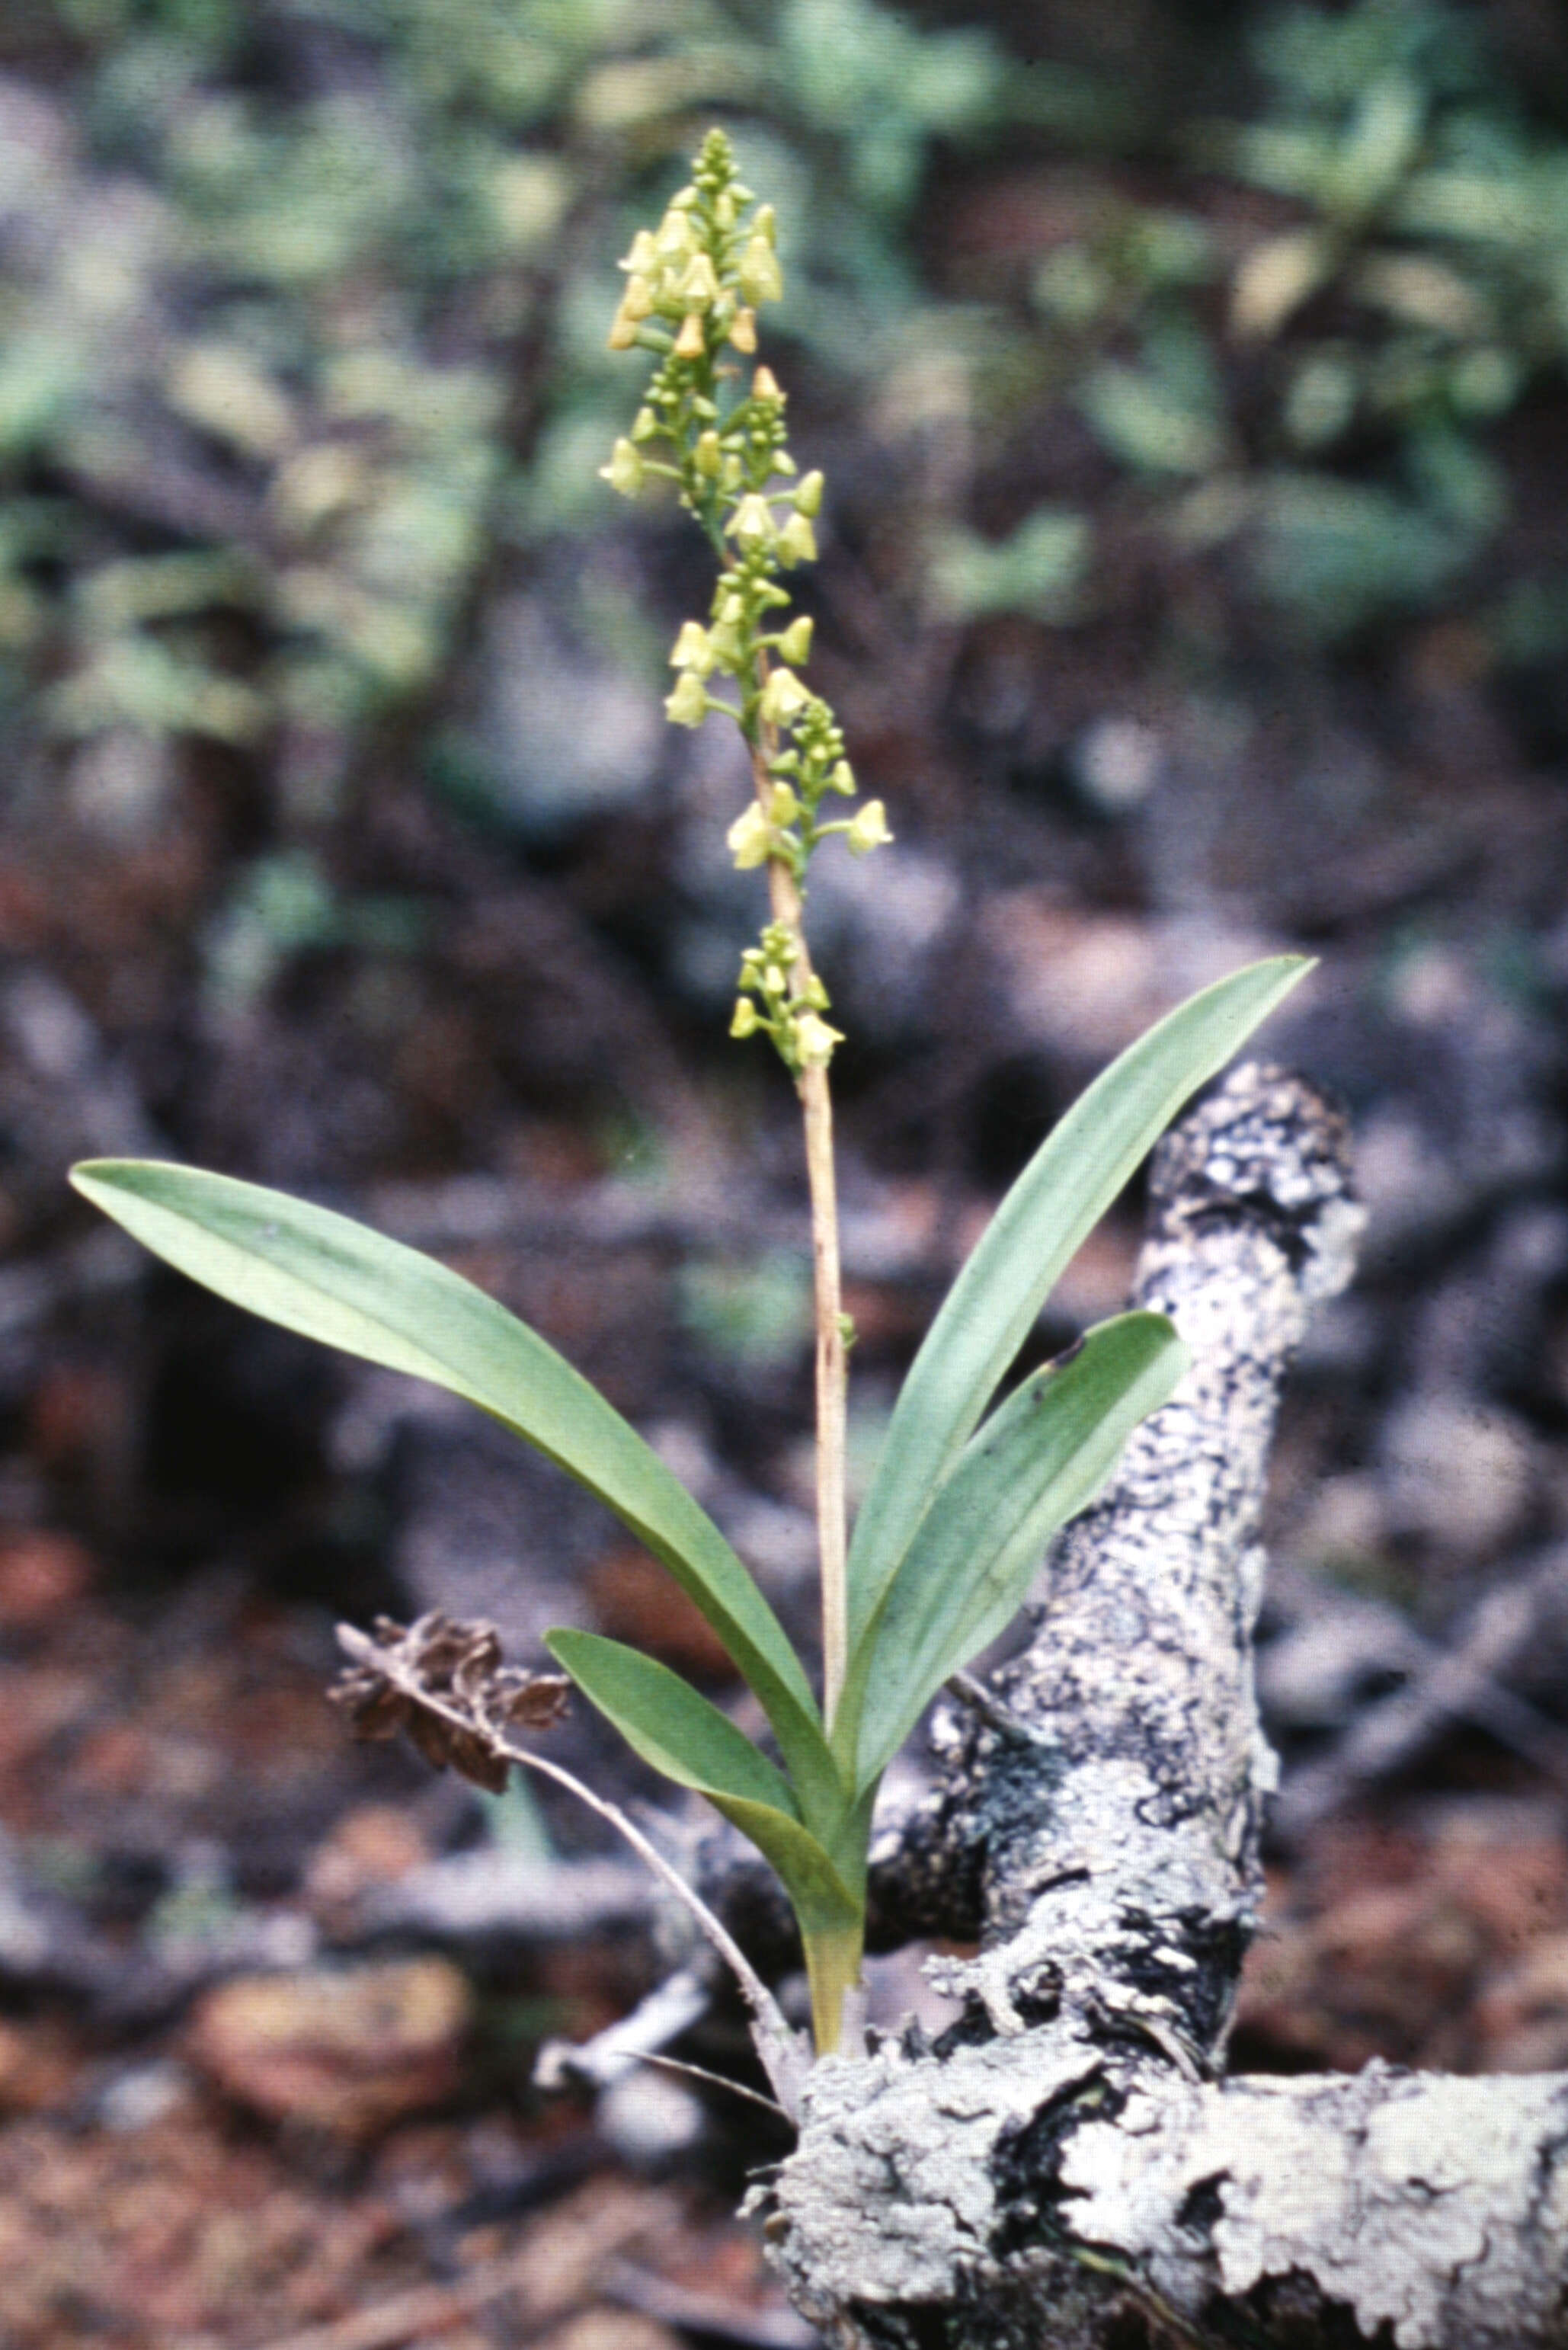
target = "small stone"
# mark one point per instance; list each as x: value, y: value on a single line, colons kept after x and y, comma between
x: 345, y: 2052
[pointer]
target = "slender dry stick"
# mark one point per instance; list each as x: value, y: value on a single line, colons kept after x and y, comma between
x: 832, y: 1354
x: 775, y: 2044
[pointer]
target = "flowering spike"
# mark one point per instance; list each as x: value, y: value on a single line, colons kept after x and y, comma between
x: 693, y: 285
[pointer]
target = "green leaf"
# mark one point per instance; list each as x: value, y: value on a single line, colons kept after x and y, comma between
x: 676, y: 1730
x: 671, y: 1725
x: 329, y: 1278
x: 1038, y: 1460
x: 1059, y: 1198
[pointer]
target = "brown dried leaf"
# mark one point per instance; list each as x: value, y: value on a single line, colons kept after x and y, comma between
x: 444, y: 1683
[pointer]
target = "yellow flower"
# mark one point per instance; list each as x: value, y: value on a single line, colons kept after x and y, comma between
x: 744, y: 331
x: 867, y: 829
x: 687, y: 705
x: 745, y: 1022
x: 752, y: 522
x: 690, y: 343
x: 750, y: 839
x: 698, y: 288
x: 794, y: 645
x: 625, y: 470
x: 784, y: 698
x: 676, y: 239
x: 815, y: 1041
x: 693, y: 650
x: 797, y: 541
x: 760, y: 277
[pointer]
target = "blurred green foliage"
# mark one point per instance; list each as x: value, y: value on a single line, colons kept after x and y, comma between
x: 1314, y: 377
x: 319, y: 297
x: 302, y: 315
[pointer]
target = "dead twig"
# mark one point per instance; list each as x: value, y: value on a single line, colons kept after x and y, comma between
x: 386, y: 1689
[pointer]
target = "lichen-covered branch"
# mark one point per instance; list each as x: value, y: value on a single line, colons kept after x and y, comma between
x: 1068, y: 2167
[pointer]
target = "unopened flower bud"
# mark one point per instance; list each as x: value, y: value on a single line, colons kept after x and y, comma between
x: 815, y: 1041
x: 749, y: 842
x: 690, y: 342
x: 797, y: 541
x: 687, y: 705
x: 783, y: 698
x: 842, y: 779
x: 693, y: 649
x: 698, y: 287
x: 625, y: 470
x: 744, y: 331
x: 744, y: 1022
x: 752, y: 522
x: 794, y: 645
x: 764, y: 385
x: 645, y: 425
x: 867, y: 829
x: 808, y: 494
x: 760, y: 277
x: 710, y: 456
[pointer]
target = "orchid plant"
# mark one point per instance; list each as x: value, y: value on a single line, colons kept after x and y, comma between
x: 967, y: 1491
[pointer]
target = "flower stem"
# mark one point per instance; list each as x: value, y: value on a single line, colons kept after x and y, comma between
x: 832, y: 1357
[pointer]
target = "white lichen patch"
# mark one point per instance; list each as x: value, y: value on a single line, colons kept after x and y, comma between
x: 1420, y: 2203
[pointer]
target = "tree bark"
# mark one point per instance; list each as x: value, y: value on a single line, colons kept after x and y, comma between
x: 1068, y: 2166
